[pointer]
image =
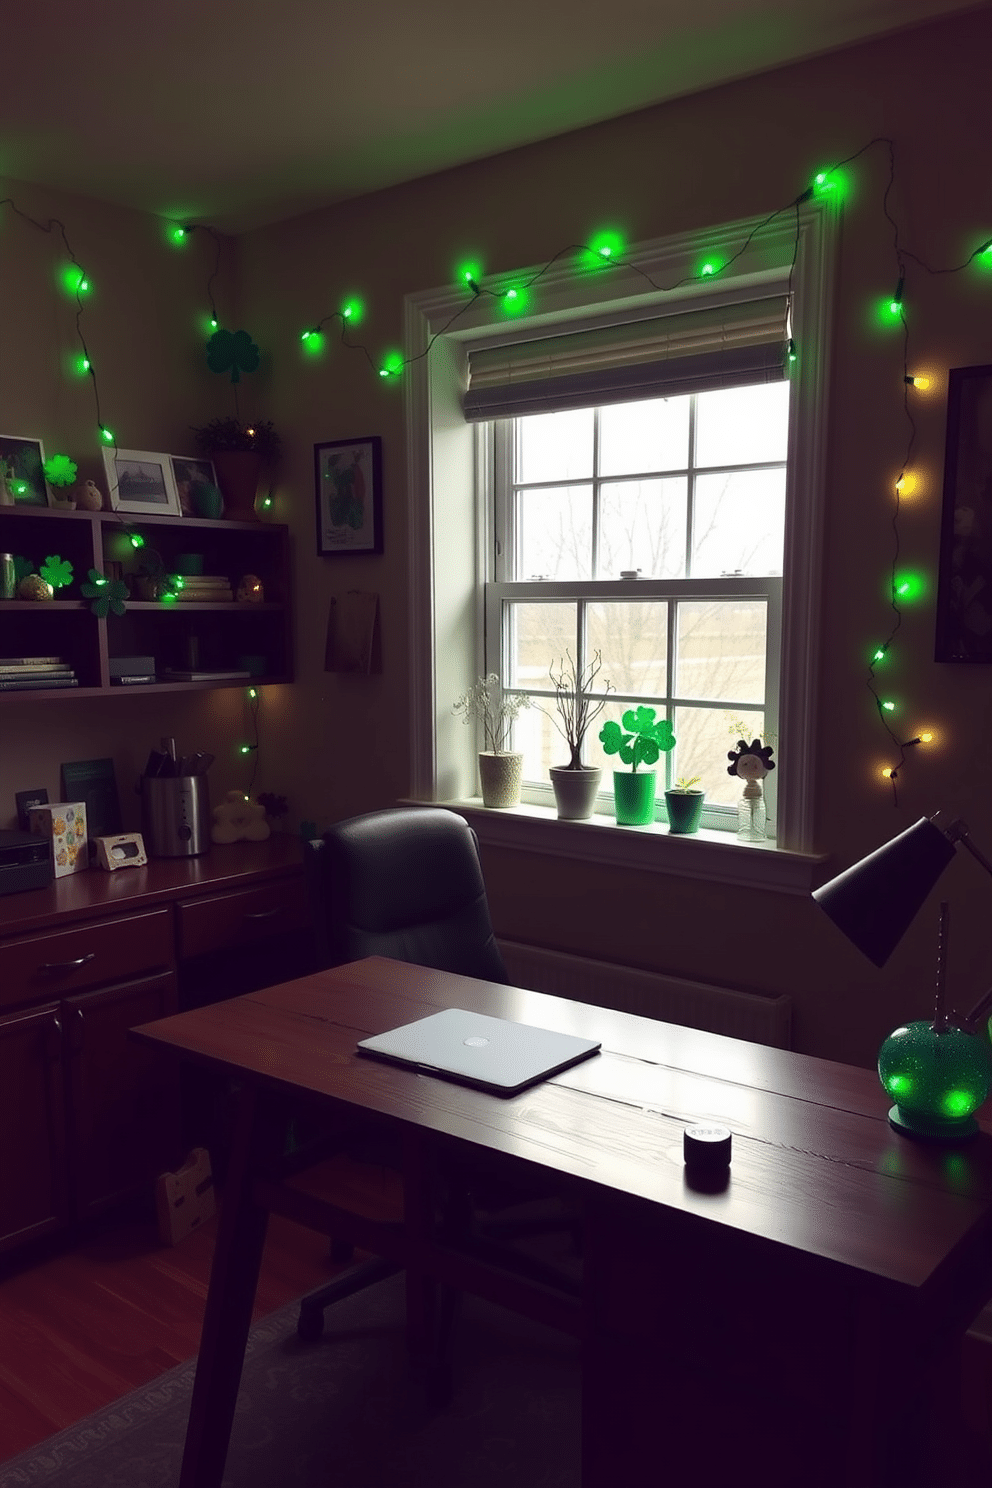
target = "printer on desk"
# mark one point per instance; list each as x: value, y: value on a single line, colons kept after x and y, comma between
x: 25, y: 862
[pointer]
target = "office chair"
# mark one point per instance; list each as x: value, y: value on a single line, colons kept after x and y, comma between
x: 407, y: 883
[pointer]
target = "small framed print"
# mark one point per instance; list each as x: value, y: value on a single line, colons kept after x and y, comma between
x: 348, y: 474
x: 189, y: 471
x: 22, y: 471
x: 141, y: 482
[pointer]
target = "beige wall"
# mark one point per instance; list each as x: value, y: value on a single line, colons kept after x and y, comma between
x: 338, y: 745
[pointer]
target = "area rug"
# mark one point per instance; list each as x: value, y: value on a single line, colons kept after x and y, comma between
x: 344, y: 1412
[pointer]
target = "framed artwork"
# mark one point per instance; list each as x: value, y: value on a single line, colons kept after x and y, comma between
x: 189, y: 471
x: 964, y: 587
x: 141, y: 482
x: 348, y: 473
x: 22, y: 471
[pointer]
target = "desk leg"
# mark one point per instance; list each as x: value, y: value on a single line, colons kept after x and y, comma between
x: 233, y: 1279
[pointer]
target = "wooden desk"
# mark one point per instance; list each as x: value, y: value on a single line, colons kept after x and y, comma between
x: 88, y: 1118
x: 780, y: 1329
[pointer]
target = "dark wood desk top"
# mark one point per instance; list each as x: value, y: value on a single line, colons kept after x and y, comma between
x: 816, y: 1166
x: 95, y: 892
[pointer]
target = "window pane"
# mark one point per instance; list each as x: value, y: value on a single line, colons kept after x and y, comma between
x: 554, y: 446
x: 540, y: 635
x: 720, y: 650
x: 739, y: 523
x: 632, y: 637
x: 555, y: 533
x: 635, y: 438
x: 537, y: 739
x: 642, y: 525
x: 740, y: 426
x: 703, y: 741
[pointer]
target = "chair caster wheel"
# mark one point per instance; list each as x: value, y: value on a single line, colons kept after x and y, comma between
x: 310, y: 1324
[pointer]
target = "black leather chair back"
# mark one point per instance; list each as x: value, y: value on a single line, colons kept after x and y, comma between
x: 405, y: 883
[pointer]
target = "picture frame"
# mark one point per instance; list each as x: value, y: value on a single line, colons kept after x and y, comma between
x: 141, y: 482
x: 23, y: 462
x: 24, y: 800
x: 187, y: 471
x: 348, y: 479
x: 964, y: 585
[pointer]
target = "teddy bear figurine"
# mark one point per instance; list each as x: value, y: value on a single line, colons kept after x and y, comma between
x: 237, y: 819
x: 89, y: 497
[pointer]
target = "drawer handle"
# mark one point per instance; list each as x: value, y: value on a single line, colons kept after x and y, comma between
x: 51, y: 967
x: 264, y: 914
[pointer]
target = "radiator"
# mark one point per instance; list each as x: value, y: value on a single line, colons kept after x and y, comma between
x: 764, y: 1019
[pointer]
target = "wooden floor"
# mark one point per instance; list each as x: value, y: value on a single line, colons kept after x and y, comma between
x: 82, y: 1328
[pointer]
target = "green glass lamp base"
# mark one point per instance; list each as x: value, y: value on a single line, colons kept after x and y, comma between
x: 932, y: 1128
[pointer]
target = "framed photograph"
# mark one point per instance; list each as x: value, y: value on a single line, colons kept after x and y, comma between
x: 24, y: 800
x: 348, y: 474
x: 22, y: 471
x: 964, y: 588
x: 189, y: 471
x: 141, y: 482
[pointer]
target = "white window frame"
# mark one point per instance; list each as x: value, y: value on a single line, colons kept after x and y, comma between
x: 496, y: 454
x: 448, y: 540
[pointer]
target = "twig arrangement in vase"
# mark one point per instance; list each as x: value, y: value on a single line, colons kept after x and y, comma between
x: 575, y: 784
x: 500, y: 769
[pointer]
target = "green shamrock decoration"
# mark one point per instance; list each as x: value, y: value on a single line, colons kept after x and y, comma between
x: 106, y: 594
x: 644, y: 740
x: 59, y: 471
x: 57, y: 571
x: 234, y: 349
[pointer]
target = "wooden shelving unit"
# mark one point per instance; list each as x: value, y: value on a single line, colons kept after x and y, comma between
x: 219, y: 633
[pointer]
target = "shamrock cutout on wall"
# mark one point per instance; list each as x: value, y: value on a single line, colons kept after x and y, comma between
x: 56, y: 571
x: 232, y: 349
x: 106, y: 594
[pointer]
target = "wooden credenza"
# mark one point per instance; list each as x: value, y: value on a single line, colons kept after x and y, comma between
x: 87, y: 1116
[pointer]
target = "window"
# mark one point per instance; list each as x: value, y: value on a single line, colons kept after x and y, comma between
x: 648, y: 535
x: 627, y: 474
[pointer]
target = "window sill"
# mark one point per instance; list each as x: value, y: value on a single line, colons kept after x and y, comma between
x: 716, y: 857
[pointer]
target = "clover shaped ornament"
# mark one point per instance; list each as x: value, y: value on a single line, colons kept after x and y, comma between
x: 106, y: 594
x: 56, y: 571
x: 234, y: 350
x: 644, y: 739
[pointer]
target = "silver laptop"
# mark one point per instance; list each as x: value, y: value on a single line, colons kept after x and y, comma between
x: 475, y: 1049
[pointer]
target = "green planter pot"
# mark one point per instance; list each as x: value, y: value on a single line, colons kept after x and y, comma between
x: 633, y: 797
x: 684, y: 811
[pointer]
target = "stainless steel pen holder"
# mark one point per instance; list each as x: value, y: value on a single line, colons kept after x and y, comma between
x: 175, y: 815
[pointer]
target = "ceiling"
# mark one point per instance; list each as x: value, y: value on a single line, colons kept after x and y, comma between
x: 241, y: 112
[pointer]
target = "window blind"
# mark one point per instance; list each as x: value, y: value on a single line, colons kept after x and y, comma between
x: 663, y: 357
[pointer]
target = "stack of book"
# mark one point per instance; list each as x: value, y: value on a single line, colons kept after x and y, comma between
x: 205, y: 588
x: 32, y: 673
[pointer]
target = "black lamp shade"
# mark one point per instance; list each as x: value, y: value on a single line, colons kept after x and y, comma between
x: 875, y: 901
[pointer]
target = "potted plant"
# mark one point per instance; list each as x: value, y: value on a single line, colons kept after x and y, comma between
x: 500, y: 769
x: 239, y: 451
x: 685, y: 806
x: 575, y: 784
x: 639, y: 742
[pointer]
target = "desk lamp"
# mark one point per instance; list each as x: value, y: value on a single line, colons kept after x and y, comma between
x: 939, y: 1071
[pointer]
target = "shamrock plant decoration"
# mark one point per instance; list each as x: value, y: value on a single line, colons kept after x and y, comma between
x: 106, y: 594
x: 643, y: 741
x: 57, y: 571
x: 234, y: 350
x: 59, y: 471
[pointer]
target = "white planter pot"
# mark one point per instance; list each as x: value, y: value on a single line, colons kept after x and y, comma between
x: 500, y: 775
x: 575, y: 791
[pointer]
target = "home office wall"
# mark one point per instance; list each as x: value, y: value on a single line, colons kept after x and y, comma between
x: 143, y: 323
x: 740, y: 150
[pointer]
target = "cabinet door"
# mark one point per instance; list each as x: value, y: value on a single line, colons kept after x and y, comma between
x: 123, y: 1098
x: 33, y: 1188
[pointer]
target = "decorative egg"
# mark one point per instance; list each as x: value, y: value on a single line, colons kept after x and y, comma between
x: 89, y: 497
x: 33, y: 586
